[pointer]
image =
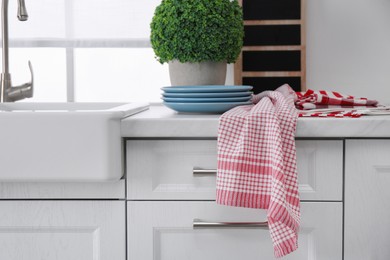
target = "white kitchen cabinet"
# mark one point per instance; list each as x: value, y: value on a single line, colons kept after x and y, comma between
x: 166, y: 194
x: 163, y: 169
x: 160, y: 230
x: 62, y: 230
x: 367, y: 200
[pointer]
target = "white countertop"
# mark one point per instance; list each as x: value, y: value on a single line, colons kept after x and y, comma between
x: 160, y: 121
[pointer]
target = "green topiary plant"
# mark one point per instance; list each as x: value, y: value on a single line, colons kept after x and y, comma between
x: 197, y: 31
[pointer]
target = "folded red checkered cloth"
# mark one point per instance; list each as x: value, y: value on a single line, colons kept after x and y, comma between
x: 257, y: 163
x: 331, y: 104
x: 323, y: 99
x: 334, y: 111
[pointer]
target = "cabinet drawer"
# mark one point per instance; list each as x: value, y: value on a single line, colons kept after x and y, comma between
x: 164, y: 230
x: 164, y: 169
x: 62, y: 230
x: 367, y: 197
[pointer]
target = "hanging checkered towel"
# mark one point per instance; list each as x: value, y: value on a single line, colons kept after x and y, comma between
x: 331, y: 104
x: 257, y: 163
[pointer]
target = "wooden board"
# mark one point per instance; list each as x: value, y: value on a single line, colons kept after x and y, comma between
x: 274, y: 50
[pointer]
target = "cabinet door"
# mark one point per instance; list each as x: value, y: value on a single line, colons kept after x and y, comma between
x: 167, y: 169
x: 62, y: 230
x: 367, y: 200
x: 164, y: 231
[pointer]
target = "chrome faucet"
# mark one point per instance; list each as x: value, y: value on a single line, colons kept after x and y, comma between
x: 9, y: 93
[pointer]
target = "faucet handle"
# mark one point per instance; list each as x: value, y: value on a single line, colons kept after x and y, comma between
x: 28, y: 88
x: 32, y: 73
x: 25, y: 90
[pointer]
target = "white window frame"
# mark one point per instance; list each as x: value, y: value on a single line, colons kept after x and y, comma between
x: 69, y: 44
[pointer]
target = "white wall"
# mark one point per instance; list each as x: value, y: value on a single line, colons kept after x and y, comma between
x: 348, y: 47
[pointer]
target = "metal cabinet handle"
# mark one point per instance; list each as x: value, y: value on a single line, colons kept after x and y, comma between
x: 198, y: 171
x: 199, y: 224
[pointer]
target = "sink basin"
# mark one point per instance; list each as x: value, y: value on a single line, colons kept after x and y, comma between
x: 62, y: 141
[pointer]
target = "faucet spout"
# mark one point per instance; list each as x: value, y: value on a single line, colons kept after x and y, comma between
x: 8, y: 93
x: 22, y: 11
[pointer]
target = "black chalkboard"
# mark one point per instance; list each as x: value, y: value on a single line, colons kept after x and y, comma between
x: 272, y: 43
x: 262, y: 35
x: 271, y: 83
x: 272, y: 9
x: 271, y: 60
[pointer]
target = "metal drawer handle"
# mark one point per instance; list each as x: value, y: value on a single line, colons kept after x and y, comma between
x: 198, y: 172
x: 199, y: 224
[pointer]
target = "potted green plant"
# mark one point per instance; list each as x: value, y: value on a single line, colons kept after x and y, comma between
x: 197, y: 38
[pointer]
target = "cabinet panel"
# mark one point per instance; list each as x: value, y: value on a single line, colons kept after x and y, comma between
x: 62, y: 190
x: 367, y: 200
x: 163, y: 231
x: 62, y: 230
x: 163, y: 169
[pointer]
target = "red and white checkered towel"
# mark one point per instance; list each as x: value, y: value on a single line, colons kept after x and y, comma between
x: 331, y: 104
x: 323, y: 99
x: 257, y: 163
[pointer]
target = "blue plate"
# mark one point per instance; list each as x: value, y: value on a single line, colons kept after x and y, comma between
x: 209, y: 95
x: 210, y: 108
x: 205, y: 89
x: 205, y: 100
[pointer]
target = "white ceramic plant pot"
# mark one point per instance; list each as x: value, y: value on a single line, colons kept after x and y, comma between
x: 192, y: 74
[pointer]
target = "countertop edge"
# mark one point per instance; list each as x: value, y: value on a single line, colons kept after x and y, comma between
x: 161, y: 122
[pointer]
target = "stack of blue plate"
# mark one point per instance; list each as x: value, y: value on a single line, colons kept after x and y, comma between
x: 206, y: 99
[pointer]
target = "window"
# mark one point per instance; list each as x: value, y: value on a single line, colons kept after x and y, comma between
x: 86, y: 50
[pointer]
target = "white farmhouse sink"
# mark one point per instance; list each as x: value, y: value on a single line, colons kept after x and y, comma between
x: 62, y: 141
